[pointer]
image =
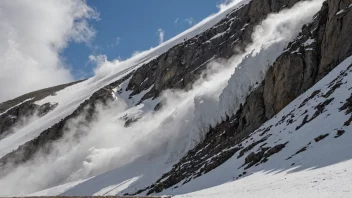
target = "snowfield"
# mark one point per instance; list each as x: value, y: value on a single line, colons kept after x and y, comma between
x: 327, y: 182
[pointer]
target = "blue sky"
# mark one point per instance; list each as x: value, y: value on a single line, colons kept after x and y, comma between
x: 126, y: 26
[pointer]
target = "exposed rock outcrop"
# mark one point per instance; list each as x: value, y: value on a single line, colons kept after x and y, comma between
x: 19, y: 115
x: 181, y: 65
x: 33, y: 96
x: 18, y: 111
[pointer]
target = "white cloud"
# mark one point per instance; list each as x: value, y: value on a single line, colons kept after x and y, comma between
x: 190, y: 21
x: 176, y: 20
x: 161, y: 35
x: 224, y: 4
x: 32, y: 35
x: 116, y: 43
x: 103, y: 65
x: 98, y: 59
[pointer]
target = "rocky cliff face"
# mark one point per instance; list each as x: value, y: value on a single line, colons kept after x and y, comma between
x: 180, y: 66
x: 305, y: 61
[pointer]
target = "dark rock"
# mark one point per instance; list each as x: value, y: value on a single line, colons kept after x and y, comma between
x: 339, y: 133
x: 21, y: 115
x: 254, y: 158
x: 299, y: 151
x: 347, y: 105
x: 315, y: 93
x: 262, y: 156
x: 249, y: 147
x: 321, y: 137
x: 337, y: 41
x: 332, y: 90
x: 348, y: 122
x: 320, y: 108
x: 274, y: 150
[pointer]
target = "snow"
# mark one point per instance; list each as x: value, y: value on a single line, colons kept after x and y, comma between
x: 308, y: 42
x: 114, y: 189
x: 296, y: 51
x: 57, y: 189
x: 344, y: 10
x: 244, y: 27
x: 137, y: 98
x: 126, y: 179
x: 331, y: 181
x: 340, y: 12
x: 218, y: 35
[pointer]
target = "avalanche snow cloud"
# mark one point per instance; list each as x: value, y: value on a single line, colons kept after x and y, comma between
x: 32, y: 35
x: 168, y: 134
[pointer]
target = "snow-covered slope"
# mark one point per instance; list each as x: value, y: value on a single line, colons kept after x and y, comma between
x: 123, y: 132
x: 304, y: 151
x: 330, y: 181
